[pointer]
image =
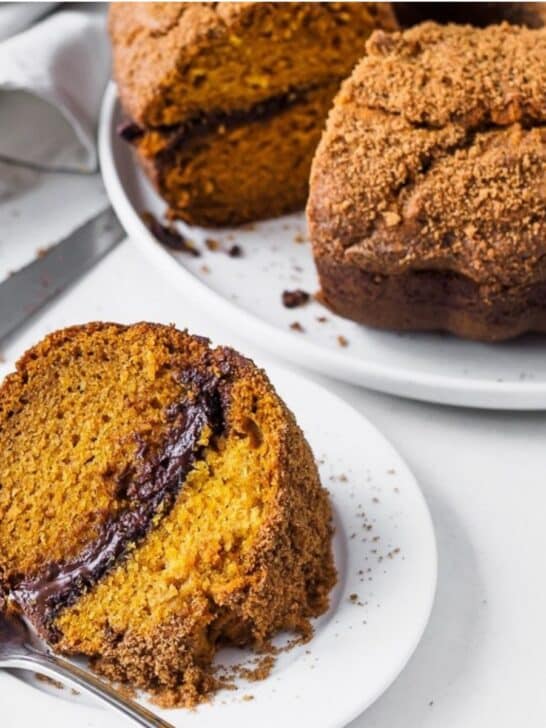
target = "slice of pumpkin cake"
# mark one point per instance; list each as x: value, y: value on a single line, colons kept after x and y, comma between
x: 226, y: 101
x: 157, y: 499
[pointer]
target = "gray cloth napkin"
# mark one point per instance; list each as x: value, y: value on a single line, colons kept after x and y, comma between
x: 52, y: 77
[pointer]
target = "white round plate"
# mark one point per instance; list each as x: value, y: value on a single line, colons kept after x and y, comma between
x: 245, y: 295
x: 386, y: 559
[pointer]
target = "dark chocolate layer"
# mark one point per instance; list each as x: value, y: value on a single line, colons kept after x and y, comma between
x: 150, y: 487
x: 202, y: 124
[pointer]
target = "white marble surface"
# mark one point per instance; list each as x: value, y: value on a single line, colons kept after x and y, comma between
x: 481, y: 662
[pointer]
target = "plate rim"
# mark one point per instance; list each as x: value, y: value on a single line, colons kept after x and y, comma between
x: 347, y: 713
x: 435, y: 388
x: 338, y: 401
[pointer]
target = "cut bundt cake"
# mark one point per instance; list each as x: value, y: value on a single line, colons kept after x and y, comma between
x: 157, y: 499
x: 226, y: 101
x: 427, y: 205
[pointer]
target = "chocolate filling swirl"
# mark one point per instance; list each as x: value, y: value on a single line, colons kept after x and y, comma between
x: 178, y: 135
x: 150, y: 488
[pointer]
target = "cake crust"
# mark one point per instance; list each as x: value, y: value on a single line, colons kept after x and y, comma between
x: 433, y: 160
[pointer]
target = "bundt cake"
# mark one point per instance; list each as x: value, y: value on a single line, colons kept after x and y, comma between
x: 427, y: 205
x: 157, y: 499
x: 226, y: 101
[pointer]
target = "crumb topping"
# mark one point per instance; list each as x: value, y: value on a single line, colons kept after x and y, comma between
x: 435, y: 157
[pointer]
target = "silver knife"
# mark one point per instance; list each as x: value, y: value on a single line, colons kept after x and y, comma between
x: 27, y: 290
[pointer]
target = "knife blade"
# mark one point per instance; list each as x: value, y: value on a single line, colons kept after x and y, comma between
x: 27, y: 290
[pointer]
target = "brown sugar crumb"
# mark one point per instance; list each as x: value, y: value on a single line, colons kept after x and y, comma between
x: 49, y: 681
x: 43, y: 250
x: 294, y: 299
x: 235, y: 251
x: 296, y: 326
x: 169, y: 236
x: 391, y: 218
x: 353, y: 598
x: 299, y: 238
x: 322, y: 319
x: 226, y: 676
x: 261, y: 671
x: 212, y: 244
x: 342, y: 341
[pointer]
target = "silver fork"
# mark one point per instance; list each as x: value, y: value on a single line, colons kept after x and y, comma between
x: 17, y: 651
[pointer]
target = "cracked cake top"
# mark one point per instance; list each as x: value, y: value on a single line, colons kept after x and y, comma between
x: 434, y: 156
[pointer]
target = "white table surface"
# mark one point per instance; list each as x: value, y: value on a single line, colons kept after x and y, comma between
x: 481, y: 660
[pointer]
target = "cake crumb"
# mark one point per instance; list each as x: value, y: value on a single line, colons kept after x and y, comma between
x: 49, y: 681
x: 295, y: 298
x: 235, y: 251
x: 391, y: 218
x: 169, y: 236
x: 212, y: 244
x: 342, y: 341
x: 296, y: 326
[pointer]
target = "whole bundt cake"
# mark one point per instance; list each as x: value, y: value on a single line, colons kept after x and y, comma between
x: 427, y: 204
x: 157, y: 499
x: 226, y: 101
